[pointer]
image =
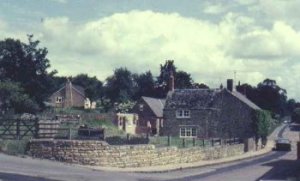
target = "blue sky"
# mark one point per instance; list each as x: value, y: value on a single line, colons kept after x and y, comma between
x: 209, y: 38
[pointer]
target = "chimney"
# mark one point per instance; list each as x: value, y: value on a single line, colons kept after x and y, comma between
x: 171, y: 82
x: 68, y: 94
x: 230, y: 85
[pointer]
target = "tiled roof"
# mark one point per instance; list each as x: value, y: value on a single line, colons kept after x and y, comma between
x: 192, y: 98
x: 156, y: 105
x: 202, y: 98
x: 244, y: 99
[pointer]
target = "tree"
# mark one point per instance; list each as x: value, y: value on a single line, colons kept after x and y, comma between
x: 120, y: 87
x: 27, y: 64
x: 262, y: 124
x: 200, y: 86
x: 14, y: 98
x: 92, y: 86
x: 162, y: 83
x: 145, y: 85
x: 183, y: 80
x: 250, y: 92
x: 272, y: 97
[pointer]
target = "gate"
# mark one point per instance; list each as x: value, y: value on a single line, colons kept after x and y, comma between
x: 18, y: 128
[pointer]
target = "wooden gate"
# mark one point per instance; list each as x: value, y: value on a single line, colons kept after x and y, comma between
x: 18, y: 128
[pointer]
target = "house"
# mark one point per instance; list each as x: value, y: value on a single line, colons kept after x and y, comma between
x: 150, y: 114
x: 208, y: 113
x: 69, y: 95
x: 126, y: 122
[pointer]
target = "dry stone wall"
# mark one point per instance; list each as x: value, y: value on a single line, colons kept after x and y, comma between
x: 99, y: 153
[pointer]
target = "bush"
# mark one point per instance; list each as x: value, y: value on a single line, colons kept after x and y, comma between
x: 14, y: 147
x: 262, y: 123
x: 117, y: 140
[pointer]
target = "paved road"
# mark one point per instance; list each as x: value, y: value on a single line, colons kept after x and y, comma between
x: 274, y: 166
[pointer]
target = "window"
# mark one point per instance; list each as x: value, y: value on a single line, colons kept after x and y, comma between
x: 141, y: 106
x: 188, y: 132
x: 183, y: 113
x: 59, y: 99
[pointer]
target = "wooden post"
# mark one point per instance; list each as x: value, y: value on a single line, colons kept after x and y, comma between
x: 70, y: 135
x: 194, y: 141
x: 203, y: 142
x: 212, y: 142
x: 127, y: 137
x: 36, y: 135
x: 183, y: 142
x: 18, y: 129
x: 169, y: 140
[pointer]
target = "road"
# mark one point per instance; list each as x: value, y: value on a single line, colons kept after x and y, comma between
x: 273, y: 166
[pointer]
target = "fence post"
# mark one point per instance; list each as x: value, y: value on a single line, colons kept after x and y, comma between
x: 183, y: 142
x: 127, y: 137
x: 212, y: 142
x: 203, y: 142
x: 194, y: 141
x: 70, y: 135
x: 36, y: 135
x: 18, y: 129
x: 169, y: 140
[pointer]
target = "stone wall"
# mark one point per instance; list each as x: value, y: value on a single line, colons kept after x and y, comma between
x: 99, y: 153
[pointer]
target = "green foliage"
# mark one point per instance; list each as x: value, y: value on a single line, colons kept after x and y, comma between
x: 262, y: 123
x: 14, y: 147
x: 13, y: 97
x: 120, y: 86
x: 183, y: 80
x: 296, y: 115
x: 269, y: 96
x: 26, y: 64
x: 124, y: 107
x: 145, y: 85
x: 93, y: 87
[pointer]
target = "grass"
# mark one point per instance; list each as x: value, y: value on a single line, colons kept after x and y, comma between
x: 14, y: 147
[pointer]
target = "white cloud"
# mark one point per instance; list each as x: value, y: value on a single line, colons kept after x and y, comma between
x: 141, y: 40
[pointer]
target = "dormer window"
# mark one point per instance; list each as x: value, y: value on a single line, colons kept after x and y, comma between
x: 181, y: 113
x: 59, y: 99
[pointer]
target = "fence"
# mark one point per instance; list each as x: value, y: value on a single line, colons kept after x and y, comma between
x: 164, y: 141
x: 18, y: 128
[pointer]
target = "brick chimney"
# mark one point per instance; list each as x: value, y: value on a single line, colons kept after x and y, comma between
x: 230, y: 85
x: 171, y: 82
x: 68, y: 94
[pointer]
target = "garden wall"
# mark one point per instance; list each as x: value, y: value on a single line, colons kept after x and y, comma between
x: 99, y: 153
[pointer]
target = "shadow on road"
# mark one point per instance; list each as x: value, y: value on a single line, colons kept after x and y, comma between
x: 282, y: 170
x: 17, y: 177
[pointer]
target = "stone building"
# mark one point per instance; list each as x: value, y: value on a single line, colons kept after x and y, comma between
x: 69, y: 95
x: 208, y: 113
x: 150, y: 113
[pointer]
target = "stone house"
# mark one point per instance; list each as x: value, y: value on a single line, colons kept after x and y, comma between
x: 69, y: 95
x: 208, y: 113
x: 150, y: 114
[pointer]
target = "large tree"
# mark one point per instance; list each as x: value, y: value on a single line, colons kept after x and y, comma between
x: 13, y: 97
x: 162, y: 83
x: 120, y: 87
x: 183, y: 80
x: 27, y: 64
x: 145, y: 85
x: 92, y: 86
x: 272, y: 97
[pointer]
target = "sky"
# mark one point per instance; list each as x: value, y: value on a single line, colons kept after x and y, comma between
x: 210, y: 39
